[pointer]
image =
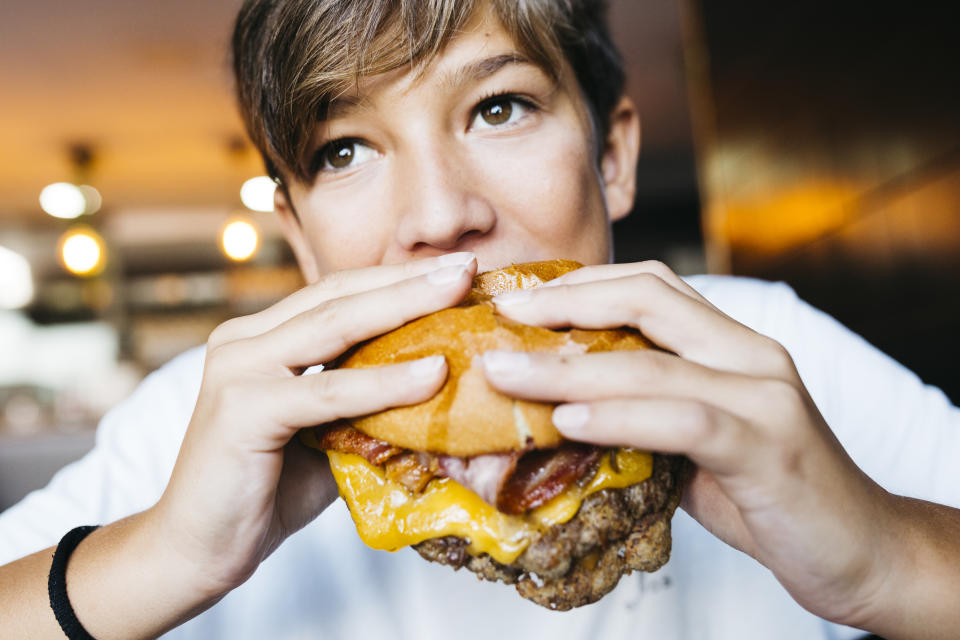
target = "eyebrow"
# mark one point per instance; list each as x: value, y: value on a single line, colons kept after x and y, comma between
x: 344, y: 104
x: 451, y: 80
x: 480, y: 69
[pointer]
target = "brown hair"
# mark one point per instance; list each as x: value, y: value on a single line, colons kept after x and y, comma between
x: 292, y: 57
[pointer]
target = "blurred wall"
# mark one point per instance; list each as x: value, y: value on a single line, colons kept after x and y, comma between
x: 828, y: 143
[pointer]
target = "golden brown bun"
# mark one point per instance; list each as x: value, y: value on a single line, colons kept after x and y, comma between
x: 468, y: 417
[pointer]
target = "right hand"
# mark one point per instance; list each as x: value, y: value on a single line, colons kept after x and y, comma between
x: 240, y: 486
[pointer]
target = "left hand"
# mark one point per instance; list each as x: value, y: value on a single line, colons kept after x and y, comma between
x: 772, y: 480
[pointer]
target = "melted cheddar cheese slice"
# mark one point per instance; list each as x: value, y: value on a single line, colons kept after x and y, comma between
x: 389, y: 517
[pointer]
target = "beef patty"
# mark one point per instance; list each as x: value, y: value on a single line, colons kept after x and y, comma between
x: 615, y: 532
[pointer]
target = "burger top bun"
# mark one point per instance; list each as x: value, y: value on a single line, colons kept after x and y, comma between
x: 467, y: 417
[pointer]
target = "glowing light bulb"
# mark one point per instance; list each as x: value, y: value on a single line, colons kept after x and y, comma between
x: 257, y: 193
x: 16, y: 280
x: 82, y: 252
x: 63, y: 200
x: 239, y: 240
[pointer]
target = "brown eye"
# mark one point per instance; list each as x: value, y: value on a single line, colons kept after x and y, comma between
x: 345, y: 153
x: 339, y: 155
x: 497, y: 113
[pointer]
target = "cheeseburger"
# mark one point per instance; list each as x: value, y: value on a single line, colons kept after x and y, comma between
x: 473, y: 478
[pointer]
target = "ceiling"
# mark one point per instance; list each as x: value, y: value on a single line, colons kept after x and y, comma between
x: 146, y: 84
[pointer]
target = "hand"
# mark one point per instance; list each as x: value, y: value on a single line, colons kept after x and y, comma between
x: 771, y: 478
x: 240, y: 485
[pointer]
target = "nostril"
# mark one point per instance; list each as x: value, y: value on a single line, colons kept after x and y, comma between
x: 462, y: 242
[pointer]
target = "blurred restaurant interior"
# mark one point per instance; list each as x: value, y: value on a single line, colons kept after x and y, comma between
x: 816, y: 143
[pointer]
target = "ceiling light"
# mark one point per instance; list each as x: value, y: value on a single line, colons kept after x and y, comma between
x: 239, y: 240
x: 257, y: 193
x: 63, y: 200
x: 82, y: 251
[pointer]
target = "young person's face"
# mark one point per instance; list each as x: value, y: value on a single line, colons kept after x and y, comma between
x: 480, y: 152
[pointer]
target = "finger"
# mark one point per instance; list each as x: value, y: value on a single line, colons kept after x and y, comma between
x: 331, y: 286
x: 594, y: 273
x: 616, y: 374
x: 323, y: 333
x: 709, y: 436
x: 673, y: 320
x: 302, y: 401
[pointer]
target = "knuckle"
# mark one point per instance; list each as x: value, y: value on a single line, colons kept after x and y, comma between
x: 701, y: 420
x: 335, y: 325
x: 714, y: 432
x: 583, y: 274
x: 659, y: 269
x: 780, y: 362
x: 323, y: 314
x: 649, y: 283
x: 786, y: 451
x: 652, y: 367
x: 330, y: 282
x: 224, y: 332
x: 647, y: 286
x: 326, y: 388
x: 224, y: 361
x: 782, y: 397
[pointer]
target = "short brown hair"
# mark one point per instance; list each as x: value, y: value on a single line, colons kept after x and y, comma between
x: 292, y: 57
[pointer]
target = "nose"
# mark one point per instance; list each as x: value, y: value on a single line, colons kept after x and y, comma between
x: 441, y: 203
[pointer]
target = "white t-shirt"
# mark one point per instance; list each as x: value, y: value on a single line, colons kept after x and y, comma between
x: 324, y: 583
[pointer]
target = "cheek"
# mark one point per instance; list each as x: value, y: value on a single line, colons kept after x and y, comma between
x: 345, y: 227
x: 549, y: 190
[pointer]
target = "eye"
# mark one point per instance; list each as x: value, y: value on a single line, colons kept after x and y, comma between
x: 500, y: 111
x: 342, y: 154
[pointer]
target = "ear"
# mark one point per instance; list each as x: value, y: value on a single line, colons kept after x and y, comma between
x: 618, y: 166
x: 293, y: 232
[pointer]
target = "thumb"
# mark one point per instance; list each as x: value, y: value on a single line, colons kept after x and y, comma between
x: 706, y: 503
x: 305, y: 489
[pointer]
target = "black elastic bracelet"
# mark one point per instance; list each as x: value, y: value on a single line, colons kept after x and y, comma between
x: 57, y: 584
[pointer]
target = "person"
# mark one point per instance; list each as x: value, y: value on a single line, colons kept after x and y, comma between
x: 416, y: 143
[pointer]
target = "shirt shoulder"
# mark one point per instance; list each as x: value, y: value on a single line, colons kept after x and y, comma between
x: 136, y: 446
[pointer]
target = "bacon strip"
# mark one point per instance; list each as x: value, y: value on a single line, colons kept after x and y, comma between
x: 544, y: 474
x: 340, y: 436
x: 408, y: 470
x: 512, y: 482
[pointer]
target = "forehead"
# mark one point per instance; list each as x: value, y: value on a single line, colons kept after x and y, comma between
x: 480, y: 49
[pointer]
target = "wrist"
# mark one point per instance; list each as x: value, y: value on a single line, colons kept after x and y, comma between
x: 889, y: 559
x: 210, y: 576
x: 122, y: 582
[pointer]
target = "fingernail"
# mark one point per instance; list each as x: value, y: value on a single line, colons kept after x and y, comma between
x: 571, y: 417
x: 446, y: 275
x: 426, y: 367
x: 458, y: 258
x: 506, y: 364
x: 512, y: 298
